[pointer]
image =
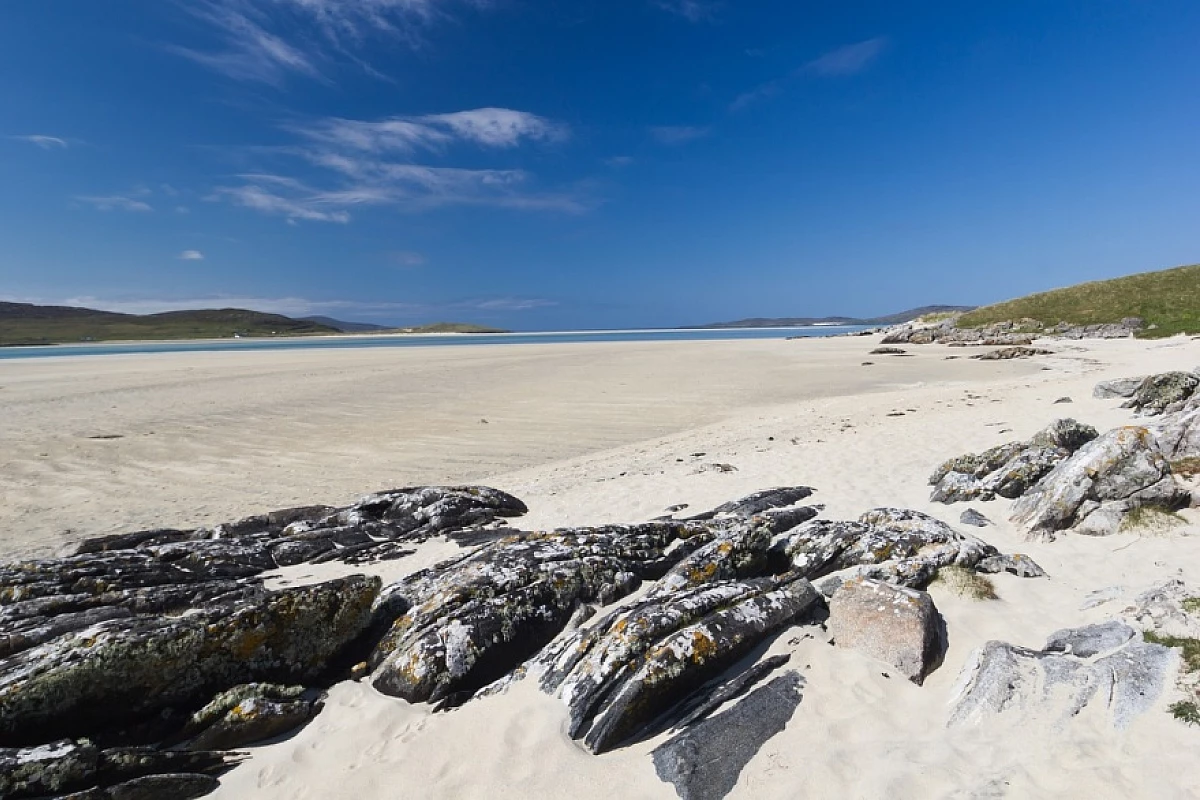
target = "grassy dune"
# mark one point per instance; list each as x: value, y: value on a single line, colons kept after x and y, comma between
x: 1168, y: 300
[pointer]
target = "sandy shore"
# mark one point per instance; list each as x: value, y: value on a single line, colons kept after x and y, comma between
x: 595, y: 433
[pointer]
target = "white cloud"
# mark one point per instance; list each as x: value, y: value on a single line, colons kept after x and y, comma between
x: 114, y: 202
x: 848, y: 60
x: 358, y: 160
x: 691, y: 10
x: 678, y: 134
x: 191, y: 255
x: 267, y: 40
x: 43, y: 141
x: 489, y: 127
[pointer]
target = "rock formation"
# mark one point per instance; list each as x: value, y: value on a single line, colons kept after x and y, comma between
x: 1008, y: 470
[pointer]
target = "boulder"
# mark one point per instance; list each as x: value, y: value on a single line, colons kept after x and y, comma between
x: 1118, y: 387
x: 1018, y: 564
x: 1104, y: 665
x: 974, y: 518
x: 704, y: 761
x: 1163, y: 394
x: 1178, y: 433
x: 1091, y: 491
x: 251, y: 713
x: 896, y: 625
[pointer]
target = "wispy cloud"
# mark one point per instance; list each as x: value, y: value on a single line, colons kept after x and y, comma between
x: 489, y: 127
x: 191, y: 255
x: 358, y: 167
x: 848, y: 60
x: 851, y: 59
x: 406, y: 258
x: 691, y: 10
x: 114, y: 202
x: 43, y: 141
x: 268, y: 40
x: 678, y: 134
x: 619, y: 161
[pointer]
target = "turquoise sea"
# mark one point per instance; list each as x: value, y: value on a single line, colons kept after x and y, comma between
x: 456, y: 339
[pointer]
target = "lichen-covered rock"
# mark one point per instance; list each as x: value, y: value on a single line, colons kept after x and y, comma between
x: 1119, y: 672
x: 124, y: 670
x: 704, y: 761
x: 374, y: 528
x: 1118, y: 387
x: 741, y: 553
x: 250, y: 713
x: 80, y: 769
x: 1017, y: 563
x: 582, y: 668
x: 894, y: 624
x: 1170, y: 608
x: 1178, y: 433
x: 691, y: 656
x: 1163, y: 393
x: 895, y: 545
x: 1092, y: 490
x: 1008, y: 470
x: 758, y: 503
x: 1006, y: 353
x: 467, y: 622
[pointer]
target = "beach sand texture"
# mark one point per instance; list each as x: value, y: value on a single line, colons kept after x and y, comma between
x: 593, y: 433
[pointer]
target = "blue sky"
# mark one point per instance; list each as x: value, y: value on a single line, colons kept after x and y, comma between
x: 598, y: 163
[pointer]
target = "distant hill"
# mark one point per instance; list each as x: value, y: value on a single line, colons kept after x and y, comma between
x: 451, y: 327
x: 796, y: 322
x: 1168, y: 301
x: 25, y: 323
x: 346, y: 327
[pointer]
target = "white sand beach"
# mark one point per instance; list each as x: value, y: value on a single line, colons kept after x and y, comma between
x: 594, y: 433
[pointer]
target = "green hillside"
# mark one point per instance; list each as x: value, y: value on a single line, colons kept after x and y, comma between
x: 23, y: 323
x: 1168, y: 301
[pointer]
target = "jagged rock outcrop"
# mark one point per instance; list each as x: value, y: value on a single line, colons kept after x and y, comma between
x: 1100, y: 665
x: 1017, y: 564
x: 1007, y: 353
x: 704, y: 761
x: 378, y: 526
x: 894, y: 624
x: 620, y: 673
x: 894, y: 545
x: 1163, y: 394
x: 83, y: 770
x: 1009, y: 333
x: 1008, y: 470
x: 250, y: 713
x: 1093, y: 490
x: 130, y: 670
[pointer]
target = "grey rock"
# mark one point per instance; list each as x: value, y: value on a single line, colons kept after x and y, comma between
x: 1018, y: 564
x: 1010, y: 469
x: 1164, y: 393
x: 1119, y: 387
x: 1001, y: 678
x: 1063, y: 400
x: 467, y: 622
x: 896, y: 625
x: 1162, y: 609
x: 973, y: 517
x: 704, y: 762
x: 123, y: 670
x: 1178, y: 433
x: 693, y: 655
x: 1090, y: 641
x: 1092, y: 490
x: 250, y: 713
x: 1006, y: 353
x: 899, y: 546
